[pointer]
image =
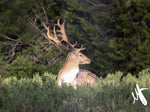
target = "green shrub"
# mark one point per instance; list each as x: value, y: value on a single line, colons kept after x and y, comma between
x: 21, y: 67
x: 42, y: 94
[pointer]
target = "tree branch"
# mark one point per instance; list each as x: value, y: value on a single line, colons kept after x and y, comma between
x: 45, y: 13
x: 13, y: 43
x: 8, y: 37
x: 99, y: 5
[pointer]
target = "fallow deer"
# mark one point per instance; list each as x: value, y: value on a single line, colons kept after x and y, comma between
x: 70, y: 72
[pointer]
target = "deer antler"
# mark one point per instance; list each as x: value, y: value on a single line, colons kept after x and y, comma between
x: 61, y: 33
x: 79, y: 49
x: 53, y: 37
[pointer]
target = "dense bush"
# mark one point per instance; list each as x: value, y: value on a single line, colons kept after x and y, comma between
x: 41, y: 94
x: 131, y: 46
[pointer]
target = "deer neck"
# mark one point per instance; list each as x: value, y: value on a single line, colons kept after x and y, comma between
x: 70, y: 68
x: 69, y: 72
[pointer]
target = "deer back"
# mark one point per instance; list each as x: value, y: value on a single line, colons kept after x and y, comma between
x: 85, y: 77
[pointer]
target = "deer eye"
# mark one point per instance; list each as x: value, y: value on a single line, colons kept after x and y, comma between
x: 80, y: 55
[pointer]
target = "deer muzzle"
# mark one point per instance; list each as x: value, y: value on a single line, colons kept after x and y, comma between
x: 87, y: 61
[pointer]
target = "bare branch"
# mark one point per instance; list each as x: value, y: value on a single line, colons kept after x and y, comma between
x: 107, y: 31
x: 13, y: 43
x: 8, y: 37
x: 12, y: 52
x: 45, y: 13
x: 99, y: 5
x: 49, y: 5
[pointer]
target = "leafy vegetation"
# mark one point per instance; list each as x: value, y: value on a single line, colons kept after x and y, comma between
x: 131, y: 44
x: 42, y: 94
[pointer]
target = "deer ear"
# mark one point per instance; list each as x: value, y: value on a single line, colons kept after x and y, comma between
x: 74, y: 53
